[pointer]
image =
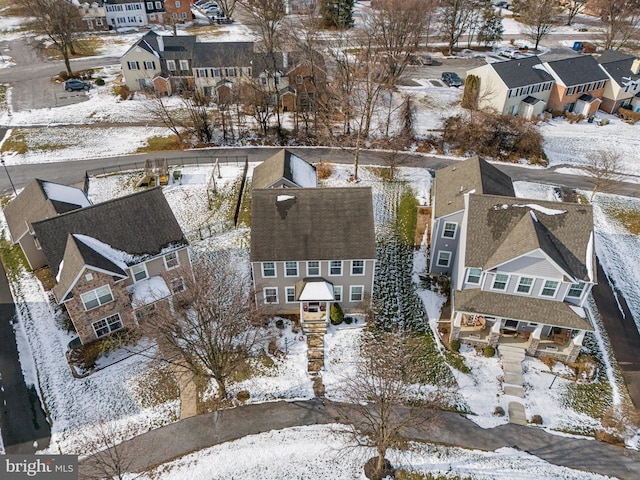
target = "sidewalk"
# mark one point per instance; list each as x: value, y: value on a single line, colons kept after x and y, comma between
x: 202, y: 431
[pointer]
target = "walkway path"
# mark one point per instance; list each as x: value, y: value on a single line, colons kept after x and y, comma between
x: 511, y: 358
x: 202, y: 431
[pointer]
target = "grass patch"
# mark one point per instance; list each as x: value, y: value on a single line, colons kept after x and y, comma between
x: 13, y: 259
x: 429, y: 362
x: 17, y: 142
x: 156, y: 386
x: 49, y: 146
x: 626, y: 216
x: 407, y: 217
x: 381, y: 172
x: 3, y: 97
x: 244, y: 216
x: 46, y: 278
x: 591, y: 398
x: 409, y: 475
x: 159, y: 144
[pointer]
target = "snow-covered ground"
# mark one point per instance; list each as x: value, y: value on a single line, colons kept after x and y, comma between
x: 327, y: 452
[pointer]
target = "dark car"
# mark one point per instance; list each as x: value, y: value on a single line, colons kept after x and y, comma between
x: 502, y: 5
x: 74, y: 85
x: 451, y: 79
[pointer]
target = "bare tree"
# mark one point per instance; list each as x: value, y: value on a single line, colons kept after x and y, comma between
x: 455, y: 16
x: 199, y: 116
x: 539, y: 18
x: 621, y: 21
x: 573, y: 8
x: 227, y: 7
x: 603, y: 168
x: 213, y: 326
x: 58, y: 20
x: 383, y: 397
x: 161, y: 111
x: 107, y: 456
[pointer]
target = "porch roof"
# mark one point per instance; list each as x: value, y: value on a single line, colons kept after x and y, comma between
x: 527, y: 309
x: 314, y: 289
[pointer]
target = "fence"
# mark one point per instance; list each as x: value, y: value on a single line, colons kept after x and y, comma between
x: 207, y: 231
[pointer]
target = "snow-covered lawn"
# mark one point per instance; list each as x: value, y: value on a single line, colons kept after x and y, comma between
x: 325, y: 451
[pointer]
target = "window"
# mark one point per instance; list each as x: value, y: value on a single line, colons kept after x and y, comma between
x: 576, y: 289
x: 570, y: 90
x: 230, y: 72
x: 291, y: 294
x: 201, y: 72
x: 150, y: 5
x: 270, y: 295
x: 174, y: 15
x: 356, y: 293
x: 158, y: 5
x: 184, y: 14
x: 581, y: 89
x: 443, y: 259
x: 500, y: 281
x: 216, y: 72
x: 152, y: 16
x: 357, y: 267
x: 107, y: 325
x: 335, y: 267
x: 98, y: 22
x: 299, y: 79
x: 268, y: 269
x: 337, y: 293
x: 133, y: 65
x: 171, y: 65
x: 171, y: 260
x: 139, y: 272
x: 184, y: 64
x: 524, y: 285
x: 313, y: 269
x: 96, y: 297
x: 291, y: 269
x: 449, y: 230
x: 177, y: 4
x: 88, y: 277
x: 177, y: 285
x: 549, y: 289
x: 600, y: 84
x: 474, y: 275
x: 149, y: 65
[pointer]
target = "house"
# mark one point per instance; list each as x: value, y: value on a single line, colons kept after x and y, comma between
x: 579, y: 85
x: 178, y: 10
x: 93, y: 14
x: 40, y: 199
x: 515, y: 87
x: 284, y: 170
x: 155, y: 11
x: 114, y: 260
x: 521, y: 270
x: 125, y: 13
x: 624, y: 80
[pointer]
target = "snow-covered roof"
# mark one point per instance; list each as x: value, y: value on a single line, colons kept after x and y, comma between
x: 284, y: 168
x: 316, y: 290
x: 302, y: 173
x: 148, y: 291
x: 64, y: 193
x: 118, y: 257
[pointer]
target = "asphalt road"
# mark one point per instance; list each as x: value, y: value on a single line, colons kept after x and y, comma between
x: 22, y: 421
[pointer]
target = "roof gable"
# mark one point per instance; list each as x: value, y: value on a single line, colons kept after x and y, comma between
x: 284, y: 165
x: 522, y: 72
x: 577, y: 70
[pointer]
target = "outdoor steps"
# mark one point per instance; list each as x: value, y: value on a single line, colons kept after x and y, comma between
x: 315, y: 331
x: 511, y: 358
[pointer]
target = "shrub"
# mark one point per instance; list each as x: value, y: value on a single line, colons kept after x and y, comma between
x: 122, y: 91
x: 243, y: 395
x: 86, y: 356
x: 498, y: 411
x: 336, y: 314
x: 573, y: 117
x: 536, y: 420
x: 471, y: 92
x: 99, y: 81
x: 489, y: 351
x: 324, y: 170
x: 455, y: 345
x: 609, y: 437
x: 280, y: 324
x: 629, y: 116
x: 348, y: 320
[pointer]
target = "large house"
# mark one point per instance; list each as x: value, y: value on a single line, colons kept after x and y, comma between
x: 515, y: 87
x: 126, y: 13
x: 112, y: 261
x: 521, y: 270
x: 624, y: 80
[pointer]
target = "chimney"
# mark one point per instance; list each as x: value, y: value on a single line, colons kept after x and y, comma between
x: 635, y: 66
x: 160, y: 43
x: 285, y: 60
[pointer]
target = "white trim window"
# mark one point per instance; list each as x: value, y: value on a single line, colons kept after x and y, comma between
x: 268, y: 269
x: 335, y: 268
x: 202, y: 72
x: 576, y: 290
x: 313, y: 268
x: 271, y: 295
x: 133, y: 65
x: 96, y: 298
x: 356, y: 293
x: 357, y: 267
x: 550, y: 288
x: 171, y: 260
x: 139, y: 272
x: 177, y: 285
x: 449, y: 230
x: 158, y: 5
x: 444, y: 258
x: 171, y: 65
x: 150, y: 5
x: 474, y: 275
x: 184, y: 65
x: 337, y: 293
x: 290, y: 294
x: 149, y: 65
x: 524, y: 285
x: 500, y: 281
x: 290, y: 269
x: 177, y: 4
x: 107, y: 325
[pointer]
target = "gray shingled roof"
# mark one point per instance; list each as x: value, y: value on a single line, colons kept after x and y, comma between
x: 522, y: 72
x: 578, y: 70
x: 521, y: 308
x: 452, y: 182
x: 618, y: 65
x: 316, y: 224
x: 502, y: 228
x: 139, y: 224
x: 280, y: 165
x: 218, y: 54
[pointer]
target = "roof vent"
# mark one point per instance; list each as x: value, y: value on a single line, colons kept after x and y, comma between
x: 461, y: 188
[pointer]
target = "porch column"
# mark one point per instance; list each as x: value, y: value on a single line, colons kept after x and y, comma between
x: 456, y: 324
x: 534, y: 341
x: 576, y: 346
x: 494, y: 334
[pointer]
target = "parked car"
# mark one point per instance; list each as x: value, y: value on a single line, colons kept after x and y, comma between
x: 502, y: 5
x: 73, y: 85
x: 513, y: 54
x: 451, y: 79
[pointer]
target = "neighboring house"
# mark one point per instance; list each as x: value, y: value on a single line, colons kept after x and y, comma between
x: 624, y: 80
x: 515, y: 87
x: 155, y: 11
x: 579, y: 85
x: 179, y: 10
x: 522, y: 270
x: 284, y: 170
x: 311, y: 247
x: 125, y: 13
x: 448, y: 203
x: 305, y: 79
x: 114, y: 260
x: 93, y: 14
x: 40, y: 199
